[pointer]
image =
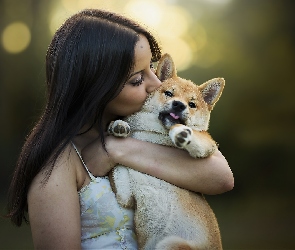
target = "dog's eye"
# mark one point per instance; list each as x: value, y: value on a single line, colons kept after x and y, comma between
x: 192, y: 105
x: 168, y: 93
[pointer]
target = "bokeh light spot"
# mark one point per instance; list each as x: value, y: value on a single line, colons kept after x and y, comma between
x: 175, y: 21
x: 182, y: 56
x: 57, y: 18
x: 170, y: 24
x: 147, y: 12
x: 198, y: 38
x: 16, y: 37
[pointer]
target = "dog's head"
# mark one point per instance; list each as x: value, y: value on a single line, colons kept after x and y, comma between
x: 180, y: 101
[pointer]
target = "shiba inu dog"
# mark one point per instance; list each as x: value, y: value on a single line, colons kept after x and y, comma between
x: 176, y: 114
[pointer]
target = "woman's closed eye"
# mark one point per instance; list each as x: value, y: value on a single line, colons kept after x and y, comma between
x: 138, y: 80
x: 139, y: 77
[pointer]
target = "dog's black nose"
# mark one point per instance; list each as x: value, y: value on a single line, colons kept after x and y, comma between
x: 178, y: 106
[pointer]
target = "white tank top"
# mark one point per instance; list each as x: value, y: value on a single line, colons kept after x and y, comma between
x: 104, y: 223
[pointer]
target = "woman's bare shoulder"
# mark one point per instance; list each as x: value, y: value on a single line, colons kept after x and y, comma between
x: 66, y: 170
x: 53, y: 204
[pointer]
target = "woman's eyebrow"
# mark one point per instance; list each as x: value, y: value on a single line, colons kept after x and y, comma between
x: 134, y: 73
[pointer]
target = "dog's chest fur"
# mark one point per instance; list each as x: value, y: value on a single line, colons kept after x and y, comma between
x: 163, y: 209
x: 147, y: 127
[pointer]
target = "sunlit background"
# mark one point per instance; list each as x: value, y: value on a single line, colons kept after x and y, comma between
x: 249, y: 43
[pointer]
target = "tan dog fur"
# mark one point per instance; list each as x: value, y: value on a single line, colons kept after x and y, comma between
x: 176, y: 114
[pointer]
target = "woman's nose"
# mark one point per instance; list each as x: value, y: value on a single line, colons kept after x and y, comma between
x: 153, y: 83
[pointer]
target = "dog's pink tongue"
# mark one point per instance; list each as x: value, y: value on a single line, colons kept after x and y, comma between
x: 174, y: 116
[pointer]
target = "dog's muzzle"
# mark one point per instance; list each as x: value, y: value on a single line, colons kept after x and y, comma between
x: 174, y: 115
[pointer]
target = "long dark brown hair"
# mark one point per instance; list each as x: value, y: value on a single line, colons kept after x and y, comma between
x: 88, y: 60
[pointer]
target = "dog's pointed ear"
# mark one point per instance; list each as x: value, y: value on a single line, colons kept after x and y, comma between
x: 166, y: 68
x: 212, y: 90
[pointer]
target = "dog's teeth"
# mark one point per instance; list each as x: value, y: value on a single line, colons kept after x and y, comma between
x: 174, y: 116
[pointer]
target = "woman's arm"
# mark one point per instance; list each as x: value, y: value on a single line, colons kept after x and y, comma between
x: 54, y: 210
x: 210, y: 175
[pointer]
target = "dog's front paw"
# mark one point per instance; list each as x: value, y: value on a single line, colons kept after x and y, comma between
x: 119, y: 128
x: 181, y: 135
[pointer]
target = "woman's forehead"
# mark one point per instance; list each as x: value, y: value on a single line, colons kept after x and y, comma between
x: 143, y: 52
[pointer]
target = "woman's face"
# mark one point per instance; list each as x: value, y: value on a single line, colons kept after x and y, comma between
x: 140, y: 83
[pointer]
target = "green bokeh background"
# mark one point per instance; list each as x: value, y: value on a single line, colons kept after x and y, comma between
x: 253, y: 122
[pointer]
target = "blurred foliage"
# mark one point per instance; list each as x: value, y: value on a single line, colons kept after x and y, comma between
x: 253, y: 122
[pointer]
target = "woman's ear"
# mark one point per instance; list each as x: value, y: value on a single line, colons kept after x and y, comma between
x: 166, y: 68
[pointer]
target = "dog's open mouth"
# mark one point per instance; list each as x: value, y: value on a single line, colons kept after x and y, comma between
x: 170, y: 118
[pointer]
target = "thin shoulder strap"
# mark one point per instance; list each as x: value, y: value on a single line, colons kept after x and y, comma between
x: 80, y: 156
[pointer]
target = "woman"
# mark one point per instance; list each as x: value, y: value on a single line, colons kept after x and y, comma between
x: 98, y: 68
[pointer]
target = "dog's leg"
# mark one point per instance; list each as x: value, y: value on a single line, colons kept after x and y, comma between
x: 180, y: 135
x: 119, y: 128
x: 199, y: 144
x: 122, y: 186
